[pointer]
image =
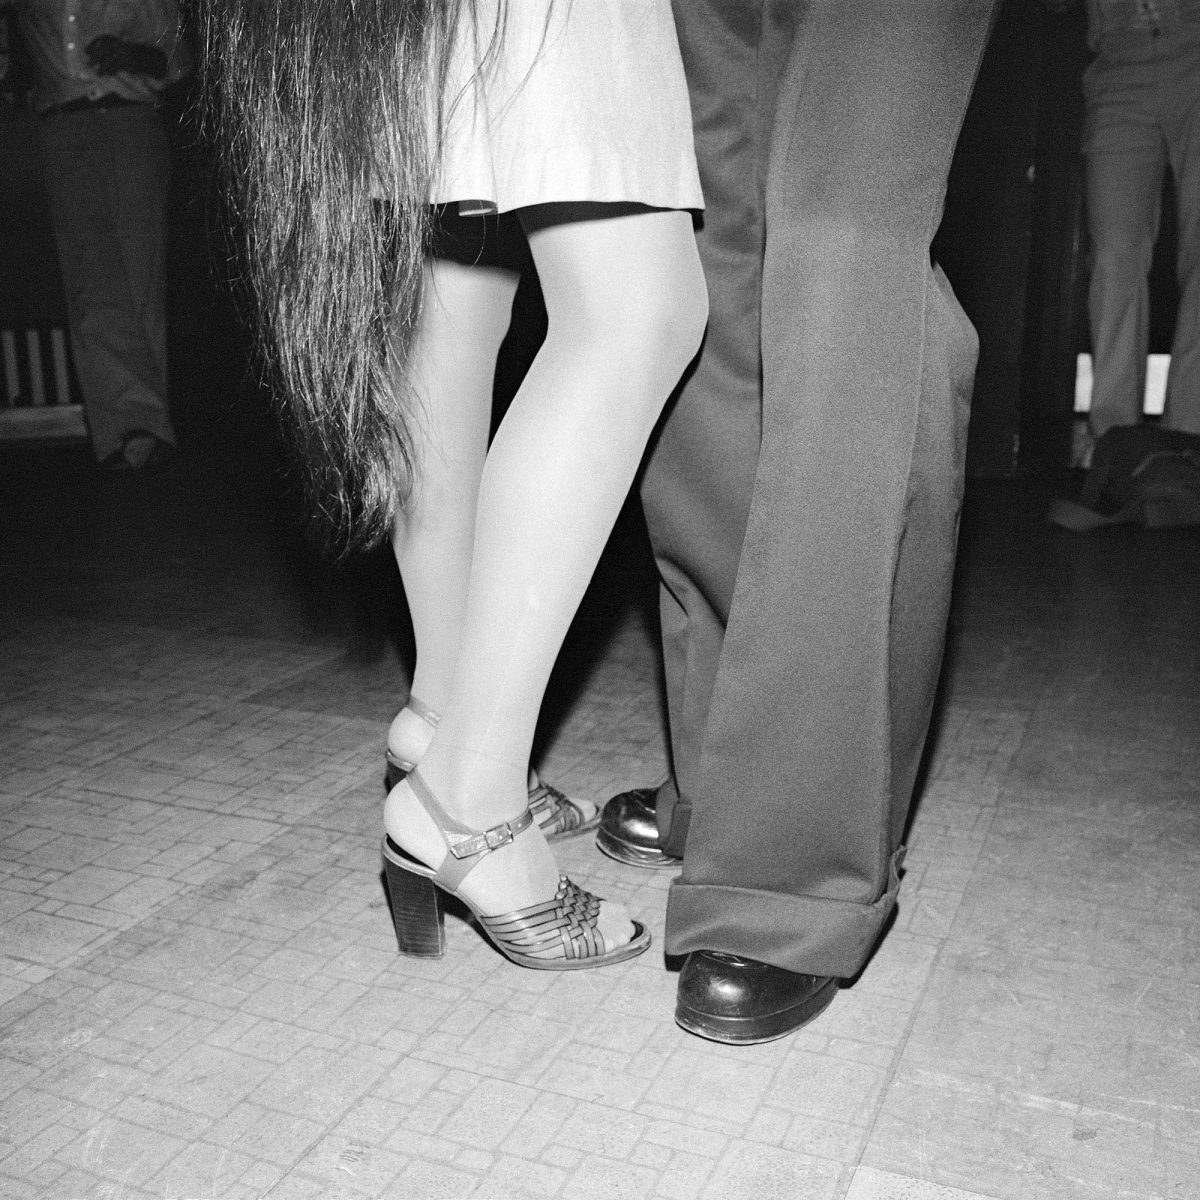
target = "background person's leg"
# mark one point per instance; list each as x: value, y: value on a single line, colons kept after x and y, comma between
x: 1182, y: 124
x: 1126, y: 155
x: 106, y: 175
x: 826, y: 679
x: 139, y: 178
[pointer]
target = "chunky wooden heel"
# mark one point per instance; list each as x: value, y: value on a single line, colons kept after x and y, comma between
x: 416, y: 907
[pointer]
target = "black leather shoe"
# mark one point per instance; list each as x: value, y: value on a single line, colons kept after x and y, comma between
x: 740, y: 1001
x: 629, y: 831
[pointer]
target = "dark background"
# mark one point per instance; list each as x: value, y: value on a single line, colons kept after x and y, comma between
x: 1012, y: 243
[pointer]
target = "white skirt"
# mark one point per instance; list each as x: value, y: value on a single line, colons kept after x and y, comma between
x: 580, y: 100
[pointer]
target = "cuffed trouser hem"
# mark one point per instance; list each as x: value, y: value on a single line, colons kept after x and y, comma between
x: 810, y: 934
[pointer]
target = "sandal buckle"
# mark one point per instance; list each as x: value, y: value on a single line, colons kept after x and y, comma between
x: 497, y: 836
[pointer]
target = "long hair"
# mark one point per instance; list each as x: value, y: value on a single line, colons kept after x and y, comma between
x: 325, y: 111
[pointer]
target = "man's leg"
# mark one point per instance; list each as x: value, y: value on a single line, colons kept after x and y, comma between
x: 1182, y: 123
x: 1125, y: 157
x: 827, y: 675
x: 106, y: 174
x: 697, y: 485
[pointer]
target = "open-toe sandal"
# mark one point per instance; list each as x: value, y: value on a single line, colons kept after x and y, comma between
x: 559, y: 934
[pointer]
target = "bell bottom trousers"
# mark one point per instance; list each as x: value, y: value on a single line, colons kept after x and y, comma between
x: 803, y: 493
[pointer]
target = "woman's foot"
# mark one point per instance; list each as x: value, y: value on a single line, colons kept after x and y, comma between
x: 557, y: 814
x: 516, y: 874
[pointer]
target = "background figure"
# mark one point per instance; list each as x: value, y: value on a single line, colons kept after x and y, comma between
x: 824, y: 135
x: 98, y: 71
x: 1142, y: 106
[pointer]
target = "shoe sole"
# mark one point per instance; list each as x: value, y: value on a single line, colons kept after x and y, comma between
x: 634, y: 856
x: 750, y: 1031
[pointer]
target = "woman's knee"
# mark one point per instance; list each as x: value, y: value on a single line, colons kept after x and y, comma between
x: 630, y: 285
x: 670, y: 318
x: 661, y: 313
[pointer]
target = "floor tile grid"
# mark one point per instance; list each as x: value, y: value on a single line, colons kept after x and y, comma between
x: 1074, y: 906
x: 228, y: 989
x: 113, y: 1046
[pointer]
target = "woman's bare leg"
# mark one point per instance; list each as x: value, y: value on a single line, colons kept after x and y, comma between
x: 466, y: 316
x: 626, y: 303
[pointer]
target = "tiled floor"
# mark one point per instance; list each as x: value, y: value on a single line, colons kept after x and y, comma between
x: 200, y: 994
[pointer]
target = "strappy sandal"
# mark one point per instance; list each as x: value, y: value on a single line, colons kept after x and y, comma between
x: 561, y: 934
x: 558, y: 816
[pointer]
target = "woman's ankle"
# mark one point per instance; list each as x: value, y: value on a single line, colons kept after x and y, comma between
x: 478, y: 792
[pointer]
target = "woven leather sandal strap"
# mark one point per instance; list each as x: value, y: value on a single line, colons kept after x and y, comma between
x: 565, y: 927
x: 554, y: 810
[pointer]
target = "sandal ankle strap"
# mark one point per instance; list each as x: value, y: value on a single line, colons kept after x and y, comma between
x: 422, y: 710
x: 489, y: 839
x: 462, y: 841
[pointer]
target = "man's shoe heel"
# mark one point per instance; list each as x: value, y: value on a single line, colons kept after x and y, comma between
x: 416, y: 911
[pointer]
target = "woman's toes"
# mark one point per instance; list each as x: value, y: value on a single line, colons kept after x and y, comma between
x: 614, y: 924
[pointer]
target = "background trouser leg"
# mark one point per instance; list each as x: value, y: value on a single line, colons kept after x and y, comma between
x: 1124, y: 190
x: 107, y: 175
x: 1183, y: 139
